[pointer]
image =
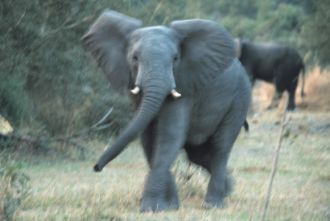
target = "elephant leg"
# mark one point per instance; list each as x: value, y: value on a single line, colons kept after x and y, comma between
x: 220, y: 184
x: 275, y: 100
x: 160, y: 190
x: 292, y: 92
x: 148, y: 141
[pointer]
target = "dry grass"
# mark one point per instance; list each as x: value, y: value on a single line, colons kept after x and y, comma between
x: 317, y: 90
x: 64, y: 190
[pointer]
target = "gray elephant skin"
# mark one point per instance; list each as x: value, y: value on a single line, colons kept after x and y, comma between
x: 191, y: 93
x: 273, y: 63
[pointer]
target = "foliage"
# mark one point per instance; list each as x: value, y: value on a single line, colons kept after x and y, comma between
x: 317, y: 31
x: 46, y: 77
x: 13, y: 98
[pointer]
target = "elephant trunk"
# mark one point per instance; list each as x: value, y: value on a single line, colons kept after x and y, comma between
x: 153, y: 97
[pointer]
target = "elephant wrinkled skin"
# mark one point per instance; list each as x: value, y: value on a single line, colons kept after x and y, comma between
x: 191, y: 91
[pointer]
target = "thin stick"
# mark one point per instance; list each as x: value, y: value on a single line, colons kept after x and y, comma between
x: 284, y: 122
x: 103, y: 119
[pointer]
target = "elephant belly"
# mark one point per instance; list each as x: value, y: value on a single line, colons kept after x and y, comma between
x: 203, y: 126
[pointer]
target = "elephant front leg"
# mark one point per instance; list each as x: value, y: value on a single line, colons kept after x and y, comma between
x: 160, y: 190
x: 275, y: 100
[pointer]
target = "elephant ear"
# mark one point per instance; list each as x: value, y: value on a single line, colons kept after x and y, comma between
x: 206, y: 49
x: 107, y: 40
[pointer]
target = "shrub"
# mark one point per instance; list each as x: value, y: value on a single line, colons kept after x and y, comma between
x: 14, y: 101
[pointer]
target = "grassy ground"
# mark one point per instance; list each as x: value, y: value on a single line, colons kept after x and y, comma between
x: 63, y: 190
x: 69, y: 190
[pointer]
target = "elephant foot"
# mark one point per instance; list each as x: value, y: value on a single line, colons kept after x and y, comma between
x: 271, y: 107
x: 158, y: 205
x: 211, y: 203
x: 291, y: 108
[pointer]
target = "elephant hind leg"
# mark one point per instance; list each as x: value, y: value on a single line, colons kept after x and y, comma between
x: 292, y: 93
x: 220, y: 184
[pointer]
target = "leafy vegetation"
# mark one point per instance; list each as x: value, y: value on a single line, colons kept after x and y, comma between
x: 48, y: 81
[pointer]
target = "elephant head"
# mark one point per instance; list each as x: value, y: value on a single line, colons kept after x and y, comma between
x: 157, y: 62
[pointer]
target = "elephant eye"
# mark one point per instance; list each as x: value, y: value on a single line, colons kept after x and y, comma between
x: 135, y: 58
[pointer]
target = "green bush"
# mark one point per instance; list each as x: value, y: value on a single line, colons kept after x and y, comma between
x: 14, y: 101
x: 45, y: 75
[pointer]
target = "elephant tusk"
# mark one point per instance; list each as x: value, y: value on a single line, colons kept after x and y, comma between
x: 136, y: 90
x: 175, y: 94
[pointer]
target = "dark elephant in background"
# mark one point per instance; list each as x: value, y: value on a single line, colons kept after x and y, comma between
x: 191, y: 93
x: 273, y: 63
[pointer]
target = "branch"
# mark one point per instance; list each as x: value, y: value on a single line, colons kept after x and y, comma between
x: 17, y: 23
x: 96, y: 127
x: 103, y: 119
x: 284, y: 123
x: 67, y: 27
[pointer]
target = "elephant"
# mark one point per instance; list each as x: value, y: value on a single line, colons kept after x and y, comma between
x: 273, y: 63
x: 190, y: 91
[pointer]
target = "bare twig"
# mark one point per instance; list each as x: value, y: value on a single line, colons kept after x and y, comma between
x: 103, y: 119
x: 64, y: 26
x: 159, y: 5
x: 100, y: 125
x: 17, y: 23
x: 284, y: 123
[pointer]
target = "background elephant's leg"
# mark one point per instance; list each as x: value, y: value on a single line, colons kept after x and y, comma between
x: 148, y: 141
x: 292, y: 93
x: 279, y: 88
x: 160, y: 190
x: 275, y: 100
x: 221, y: 143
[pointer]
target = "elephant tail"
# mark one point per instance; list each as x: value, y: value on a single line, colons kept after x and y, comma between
x: 302, y: 92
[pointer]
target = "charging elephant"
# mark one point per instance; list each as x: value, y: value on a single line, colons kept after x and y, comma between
x: 273, y: 63
x: 191, y: 91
